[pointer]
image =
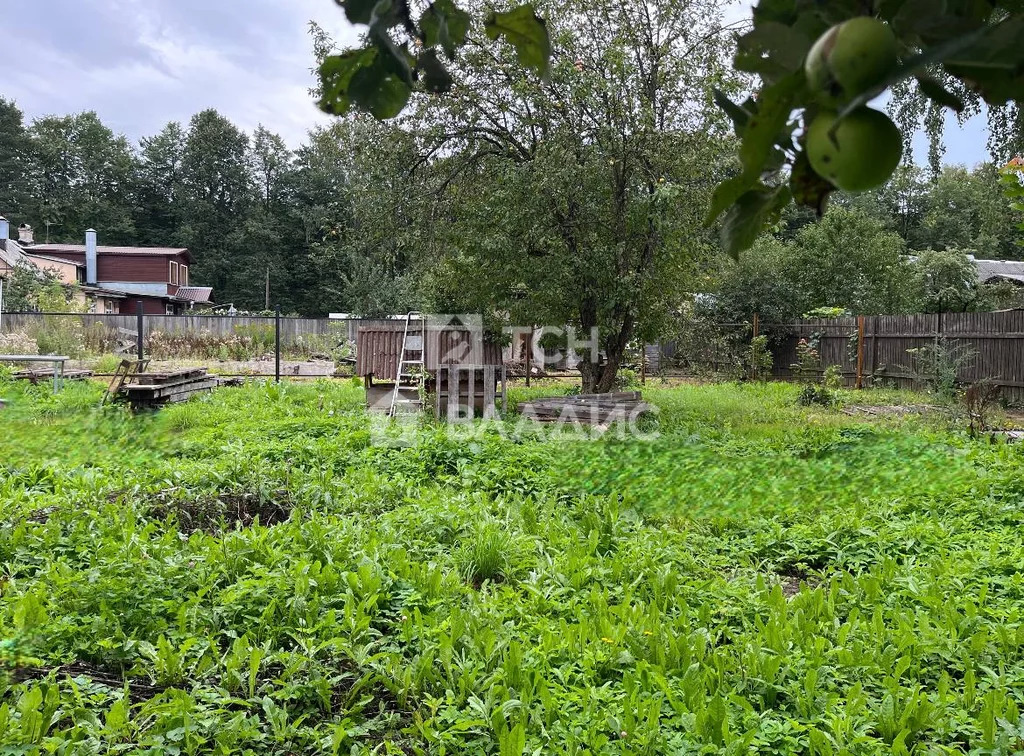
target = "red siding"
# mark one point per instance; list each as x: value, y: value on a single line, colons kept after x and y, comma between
x: 150, y: 306
x: 138, y: 268
x: 135, y: 268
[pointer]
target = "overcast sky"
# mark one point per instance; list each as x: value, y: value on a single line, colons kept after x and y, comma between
x: 142, y: 63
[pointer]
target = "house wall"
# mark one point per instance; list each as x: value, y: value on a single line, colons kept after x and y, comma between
x: 138, y: 268
x: 150, y: 306
x: 66, y: 272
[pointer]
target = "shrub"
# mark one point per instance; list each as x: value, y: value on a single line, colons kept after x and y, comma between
x: 626, y: 379
x: 808, y: 360
x: 759, y: 359
x: 938, y: 366
x: 816, y: 394
x: 18, y: 343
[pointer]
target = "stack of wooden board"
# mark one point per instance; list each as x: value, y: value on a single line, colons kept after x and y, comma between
x: 155, y: 389
x: 588, y: 409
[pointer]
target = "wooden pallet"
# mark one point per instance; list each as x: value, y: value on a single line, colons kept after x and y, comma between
x: 586, y: 409
x: 47, y: 375
x: 149, y: 390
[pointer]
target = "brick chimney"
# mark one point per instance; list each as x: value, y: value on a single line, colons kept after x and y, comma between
x: 25, y: 234
x: 90, y: 257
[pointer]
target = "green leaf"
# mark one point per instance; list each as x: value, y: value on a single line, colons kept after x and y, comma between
x: 442, y: 23
x: 336, y: 74
x: 769, y: 125
x: 740, y: 114
x: 993, y: 62
x: 526, y: 32
x: 933, y: 89
x: 379, y: 90
x: 436, y: 78
x: 369, y: 78
x: 358, y: 11
x: 771, y: 49
x: 725, y: 194
x: 750, y: 214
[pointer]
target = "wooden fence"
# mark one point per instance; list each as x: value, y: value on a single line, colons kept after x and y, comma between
x: 292, y: 329
x: 879, y: 350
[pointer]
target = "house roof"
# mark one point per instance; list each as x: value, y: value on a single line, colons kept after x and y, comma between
x: 1009, y: 270
x: 195, y: 293
x: 378, y: 349
x: 101, y: 291
x: 12, y: 254
x: 61, y: 260
x: 100, y: 250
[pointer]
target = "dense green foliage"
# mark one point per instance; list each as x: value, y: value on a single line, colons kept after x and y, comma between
x: 761, y: 576
x: 245, y: 205
x: 810, y: 60
x: 900, y: 249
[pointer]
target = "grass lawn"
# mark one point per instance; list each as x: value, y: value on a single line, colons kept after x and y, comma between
x: 252, y: 573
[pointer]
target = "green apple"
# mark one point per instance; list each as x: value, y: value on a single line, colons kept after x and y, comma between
x: 851, y: 58
x: 863, y: 152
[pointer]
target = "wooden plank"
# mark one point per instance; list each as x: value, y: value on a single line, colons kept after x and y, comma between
x: 453, y: 394
x: 490, y: 411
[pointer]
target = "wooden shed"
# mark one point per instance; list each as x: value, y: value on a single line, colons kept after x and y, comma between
x: 463, y: 369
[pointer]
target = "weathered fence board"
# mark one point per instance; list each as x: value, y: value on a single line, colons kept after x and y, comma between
x: 988, y: 345
x: 219, y: 325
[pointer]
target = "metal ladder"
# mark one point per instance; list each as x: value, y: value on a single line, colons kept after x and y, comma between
x: 405, y: 394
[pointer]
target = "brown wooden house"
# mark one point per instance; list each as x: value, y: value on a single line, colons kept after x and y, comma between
x: 156, y: 277
x: 463, y: 370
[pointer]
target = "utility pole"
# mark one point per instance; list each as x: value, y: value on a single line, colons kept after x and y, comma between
x: 266, y: 297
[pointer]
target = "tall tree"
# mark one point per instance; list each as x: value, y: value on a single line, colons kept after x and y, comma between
x: 158, y: 182
x: 216, y: 193
x: 85, y: 174
x: 577, y: 200
x: 17, y: 169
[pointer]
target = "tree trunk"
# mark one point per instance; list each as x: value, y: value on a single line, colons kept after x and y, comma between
x: 600, y: 378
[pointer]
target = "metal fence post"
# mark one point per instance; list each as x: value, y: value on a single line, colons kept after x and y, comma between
x: 139, y: 329
x: 277, y: 344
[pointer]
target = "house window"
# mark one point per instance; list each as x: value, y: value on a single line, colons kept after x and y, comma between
x: 108, y: 306
x: 183, y: 275
x: 174, y: 273
x: 168, y: 309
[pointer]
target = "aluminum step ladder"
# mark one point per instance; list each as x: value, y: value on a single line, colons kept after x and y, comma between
x: 410, y: 377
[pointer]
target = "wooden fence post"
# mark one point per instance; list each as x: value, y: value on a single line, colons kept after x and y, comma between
x: 860, y: 351
x: 453, y: 393
x: 874, y: 348
x: 529, y: 357
x: 140, y: 328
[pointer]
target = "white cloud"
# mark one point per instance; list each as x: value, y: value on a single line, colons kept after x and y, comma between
x: 140, y: 64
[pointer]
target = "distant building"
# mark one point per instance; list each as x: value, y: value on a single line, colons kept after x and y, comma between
x: 993, y: 271
x: 110, y: 279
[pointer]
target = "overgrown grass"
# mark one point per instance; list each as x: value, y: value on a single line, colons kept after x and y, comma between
x: 251, y: 573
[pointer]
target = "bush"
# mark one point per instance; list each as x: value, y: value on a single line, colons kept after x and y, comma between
x: 18, y: 343
x: 759, y: 359
x: 815, y: 394
x: 626, y: 379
